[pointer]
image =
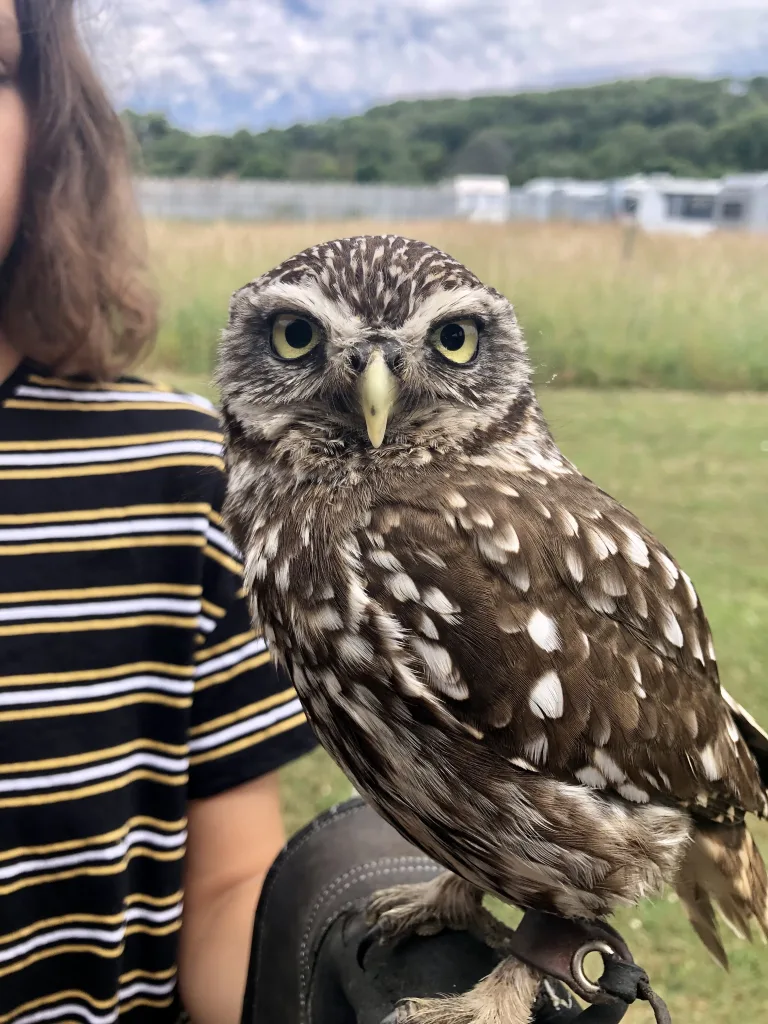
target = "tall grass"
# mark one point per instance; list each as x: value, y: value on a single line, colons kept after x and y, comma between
x: 668, y: 311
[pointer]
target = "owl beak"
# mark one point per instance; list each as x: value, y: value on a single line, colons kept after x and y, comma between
x: 378, y: 390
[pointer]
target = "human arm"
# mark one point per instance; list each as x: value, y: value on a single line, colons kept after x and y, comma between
x: 233, y: 839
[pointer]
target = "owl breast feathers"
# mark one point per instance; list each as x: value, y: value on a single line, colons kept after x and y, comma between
x: 515, y: 672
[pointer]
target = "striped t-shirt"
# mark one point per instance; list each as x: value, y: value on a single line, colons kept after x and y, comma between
x: 130, y: 682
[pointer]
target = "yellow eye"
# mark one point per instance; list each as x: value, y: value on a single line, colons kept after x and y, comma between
x: 456, y: 341
x: 294, y: 337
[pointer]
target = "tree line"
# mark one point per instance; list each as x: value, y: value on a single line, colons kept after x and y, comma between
x: 686, y: 127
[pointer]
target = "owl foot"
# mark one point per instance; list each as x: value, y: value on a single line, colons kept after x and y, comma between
x: 506, y: 996
x: 425, y: 908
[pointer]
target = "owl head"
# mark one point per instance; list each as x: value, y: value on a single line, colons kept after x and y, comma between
x: 372, y: 344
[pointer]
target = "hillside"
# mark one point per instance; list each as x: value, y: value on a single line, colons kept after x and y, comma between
x: 683, y: 126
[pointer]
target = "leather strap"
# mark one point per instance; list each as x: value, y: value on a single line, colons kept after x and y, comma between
x: 557, y: 947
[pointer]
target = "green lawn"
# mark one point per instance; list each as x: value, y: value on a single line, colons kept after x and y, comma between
x: 695, y: 469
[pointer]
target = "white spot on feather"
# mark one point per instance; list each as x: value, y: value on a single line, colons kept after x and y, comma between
x: 324, y: 618
x: 482, y: 518
x: 670, y: 627
x: 570, y: 523
x: 591, y: 777
x: 692, y: 595
x: 575, y: 564
x: 633, y: 793
x: 385, y: 559
x: 601, y: 543
x: 546, y: 700
x: 710, y: 763
x: 456, y: 500
x: 520, y: 577
x: 402, y: 587
x: 537, y: 749
x: 543, y: 631
x: 636, y: 548
x: 354, y: 650
x: 436, y: 600
x: 608, y: 766
x: 671, y: 574
x: 507, y: 539
x: 427, y: 627
x: 506, y: 489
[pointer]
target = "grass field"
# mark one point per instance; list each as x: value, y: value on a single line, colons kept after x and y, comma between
x: 678, y: 312
x: 693, y: 466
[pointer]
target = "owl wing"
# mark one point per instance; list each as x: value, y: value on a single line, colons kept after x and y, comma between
x: 555, y: 628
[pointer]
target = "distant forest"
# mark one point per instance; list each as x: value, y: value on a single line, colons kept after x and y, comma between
x: 684, y: 126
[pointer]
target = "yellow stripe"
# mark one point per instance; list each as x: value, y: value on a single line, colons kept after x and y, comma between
x: 112, y: 468
x: 133, y: 1004
x: 93, y: 755
x: 246, y: 712
x: 216, y: 518
x: 98, y: 514
x: 100, y: 840
x: 94, y: 872
x: 86, y: 593
x: 111, y: 786
x: 88, y: 625
x: 96, y: 706
x: 86, y: 997
x: 71, y: 406
x: 101, y: 951
x: 110, y: 544
x: 117, y: 441
x: 153, y: 901
x: 247, y: 741
x: 224, y: 560
x: 112, y: 672
x: 226, y: 645
x: 223, y: 677
x: 212, y: 609
x: 81, y: 385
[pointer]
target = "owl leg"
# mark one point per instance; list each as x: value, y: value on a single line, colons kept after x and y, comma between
x: 505, y: 996
x: 426, y: 908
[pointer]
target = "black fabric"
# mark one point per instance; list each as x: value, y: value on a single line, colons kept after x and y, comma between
x: 131, y: 681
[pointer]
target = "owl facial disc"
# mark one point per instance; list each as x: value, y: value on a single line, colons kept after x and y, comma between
x: 378, y: 391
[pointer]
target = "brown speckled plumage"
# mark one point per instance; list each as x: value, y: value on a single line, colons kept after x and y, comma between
x: 515, y: 672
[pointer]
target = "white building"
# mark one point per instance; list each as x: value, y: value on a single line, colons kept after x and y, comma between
x: 743, y: 202
x: 481, y: 197
x: 566, y: 199
x: 659, y: 202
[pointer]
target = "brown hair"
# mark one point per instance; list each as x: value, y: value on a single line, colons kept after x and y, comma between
x: 73, y: 291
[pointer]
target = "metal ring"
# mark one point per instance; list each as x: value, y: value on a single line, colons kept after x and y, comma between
x: 577, y: 963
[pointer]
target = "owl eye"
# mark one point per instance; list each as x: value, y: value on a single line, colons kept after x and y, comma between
x: 456, y: 341
x: 294, y: 337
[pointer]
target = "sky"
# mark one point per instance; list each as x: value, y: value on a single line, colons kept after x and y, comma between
x: 218, y: 65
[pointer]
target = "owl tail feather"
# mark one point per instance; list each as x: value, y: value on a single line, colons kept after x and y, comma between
x: 724, y: 868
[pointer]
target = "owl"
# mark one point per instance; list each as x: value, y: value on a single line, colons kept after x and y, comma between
x: 505, y: 662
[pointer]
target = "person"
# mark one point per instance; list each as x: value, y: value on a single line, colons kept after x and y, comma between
x: 141, y: 725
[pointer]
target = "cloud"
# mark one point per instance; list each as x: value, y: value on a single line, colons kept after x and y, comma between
x: 225, y: 63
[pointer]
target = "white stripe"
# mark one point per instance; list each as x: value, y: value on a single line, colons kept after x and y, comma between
x: 256, y: 646
x: 90, y: 691
x: 101, y: 397
x: 116, y: 528
x: 221, y: 540
x: 107, y: 770
x: 102, y: 855
x: 82, y: 608
x: 76, y: 1009
x: 255, y: 724
x: 118, y: 454
x: 106, y: 936
x: 206, y: 625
